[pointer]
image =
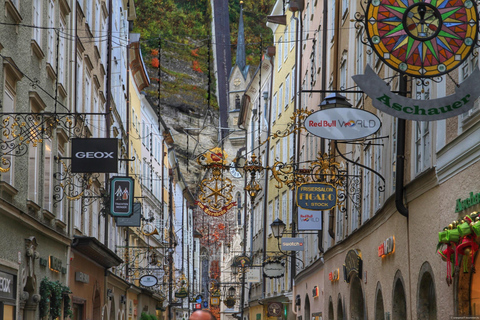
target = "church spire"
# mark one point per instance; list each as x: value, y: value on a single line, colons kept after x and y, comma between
x: 241, y: 59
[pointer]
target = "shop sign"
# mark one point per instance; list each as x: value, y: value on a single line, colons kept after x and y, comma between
x: 316, y: 196
x: 121, y: 196
x: 94, y: 155
x: 334, y: 275
x: 315, y: 292
x: 182, y: 293
x: 274, y: 309
x: 198, y: 306
x: 342, y: 123
x: 273, y: 269
x: 205, y: 304
x: 199, y: 298
x: 82, y: 277
x: 55, y: 264
x: 387, y: 247
x: 148, y: 280
x: 293, y: 244
x: 214, y: 301
x: 469, y: 202
x: 7, y: 285
x: 353, y: 264
x: 309, y: 219
x: 134, y: 219
x: 419, y: 110
x: 253, y: 275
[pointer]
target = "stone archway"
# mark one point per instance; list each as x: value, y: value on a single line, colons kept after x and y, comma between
x: 399, y: 307
x: 330, y: 310
x: 340, y: 315
x: 306, y: 312
x: 426, y: 299
x: 379, y: 309
x: 357, y: 301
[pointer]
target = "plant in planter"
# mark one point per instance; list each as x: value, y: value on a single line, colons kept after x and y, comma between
x: 54, y: 296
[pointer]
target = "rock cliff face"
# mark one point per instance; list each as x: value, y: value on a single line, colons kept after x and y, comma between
x: 184, y: 108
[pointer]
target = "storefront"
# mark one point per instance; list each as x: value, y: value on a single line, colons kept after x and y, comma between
x: 89, y: 260
x: 8, y: 294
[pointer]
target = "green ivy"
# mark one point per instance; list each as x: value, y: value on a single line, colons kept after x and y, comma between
x: 53, y: 294
x: 146, y: 316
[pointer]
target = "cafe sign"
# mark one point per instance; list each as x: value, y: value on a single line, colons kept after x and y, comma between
x: 316, y: 196
x: 353, y: 264
x: 342, y: 123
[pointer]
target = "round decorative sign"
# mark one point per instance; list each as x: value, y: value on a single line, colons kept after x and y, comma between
x: 273, y: 269
x: 342, y: 123
x: 422, y: 38
x: 148, y: 281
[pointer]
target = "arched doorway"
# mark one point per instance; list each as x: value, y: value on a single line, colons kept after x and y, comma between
x: 306, y: 313
x: 427, y: 301
x: 379, y: 310
x: 399, y: 309
x: 97, y: 306
x: 330, y: 309
x: 357, y: 302
x: 340, y: 308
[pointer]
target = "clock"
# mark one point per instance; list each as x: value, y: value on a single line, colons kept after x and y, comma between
x: 422, y: 38
x: 275, y: 309
x: 234, y: 172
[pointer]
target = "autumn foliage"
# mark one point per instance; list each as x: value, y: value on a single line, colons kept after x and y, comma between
x: 196, y: 66
x: 155, y: 63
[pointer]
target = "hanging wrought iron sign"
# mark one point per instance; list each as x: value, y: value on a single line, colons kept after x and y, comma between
x: 316, y: 196
x: 422, y: 38
x: 273, y: 269
x: 182, y: 293
x: 419, y: 110
x: 148, y: 280
x: 215, y: 196
x: 121, y: 196
x: 94, y: 155
x: 342, y: 123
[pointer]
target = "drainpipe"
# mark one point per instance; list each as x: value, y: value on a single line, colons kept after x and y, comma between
x: 399, y: 174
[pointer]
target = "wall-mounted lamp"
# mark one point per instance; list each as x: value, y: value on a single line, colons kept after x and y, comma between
x: 278, y: 227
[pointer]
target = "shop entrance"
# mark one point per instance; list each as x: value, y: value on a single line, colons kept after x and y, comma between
x: 475, y: 289
x: 357, y: 302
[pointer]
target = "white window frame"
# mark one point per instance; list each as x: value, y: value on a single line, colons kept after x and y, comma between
x: 37, y: 21
x: 48, y: 174
x: 280, y: 101
x: 280, y: 54
x: 359, y: 60
x: 287, y: 91
x: 51, y: 33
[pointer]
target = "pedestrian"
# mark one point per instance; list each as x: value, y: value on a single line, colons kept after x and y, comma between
x: 202, y: 315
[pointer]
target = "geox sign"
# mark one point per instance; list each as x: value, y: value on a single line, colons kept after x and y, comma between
x: 94, y: 155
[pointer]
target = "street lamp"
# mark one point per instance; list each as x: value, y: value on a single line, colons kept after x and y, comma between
x: 334, y: 100
x: 234, y: 267
x: 231, y: 292
x: 278, y: 227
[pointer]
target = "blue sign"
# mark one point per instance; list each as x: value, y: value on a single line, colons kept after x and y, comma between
x: 199, y: 298
x: 121, y: 196
x: 317, y: 196
x: 205, y: 304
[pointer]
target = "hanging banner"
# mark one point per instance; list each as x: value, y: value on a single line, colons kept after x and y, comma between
x: 94, y: 155
x: 419, y: 110
x: 309, y: 219
x: 121, y: 196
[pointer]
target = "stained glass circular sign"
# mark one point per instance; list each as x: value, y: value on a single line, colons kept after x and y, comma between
x: 422, y: 38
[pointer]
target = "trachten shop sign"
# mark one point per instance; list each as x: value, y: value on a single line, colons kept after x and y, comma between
x: 121, y: 196
x: 342, y: 123
x: 419, y: 110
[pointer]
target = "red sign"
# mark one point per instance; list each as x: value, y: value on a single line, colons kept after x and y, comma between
x: 380, y: 250
x: 387, y: 247
x: 198, y: 306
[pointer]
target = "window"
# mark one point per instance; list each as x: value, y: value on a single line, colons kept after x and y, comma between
x: 9, y: 101
x: 88, y: 94
x: 331, y: 18
x: 47, y: 174
x: 343, y: 73
x: 274, y: 107
x: 280, y: 100
x: 276, y: 212
x: 277, y: 151
x: 344, y: 7
x: 61, y: 55
x: 366, y: 186
x: 378, y: 182
x: 422, y: 145
x: 280, y: 55
x: 287, y: 91
x: 34, y: 156
x: 293, y: 30
x: 270, y: 216
x: 355, y: 201
x: 290, y: 146
x: 293, y: 83
x: 359, y: 60
x: 284, y: 206
x: 79, y: 85
x: 98, y: 26
x: 88, y: 14
x: 51, y: 33
x: 285, y: 150
x: 471, y: 116
x: 37, y: 21
x: 285, y: 44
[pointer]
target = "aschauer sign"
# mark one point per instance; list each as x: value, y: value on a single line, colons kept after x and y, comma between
x: 419, y: 110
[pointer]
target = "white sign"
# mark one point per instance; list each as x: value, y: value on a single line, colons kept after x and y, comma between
x: 253, y: 275
x: 342, y: 123
x: 148, y: 281
x: 309, y: 219
x: 273, y: 269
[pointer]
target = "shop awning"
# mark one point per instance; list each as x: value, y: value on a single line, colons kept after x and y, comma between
x: 95, y: 250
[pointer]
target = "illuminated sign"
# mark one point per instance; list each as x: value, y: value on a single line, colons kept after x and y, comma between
x: 334, y: 275
x: 387, y: 247
x: 342, y: 123
x: 55, y: 264
x: 316, y: 196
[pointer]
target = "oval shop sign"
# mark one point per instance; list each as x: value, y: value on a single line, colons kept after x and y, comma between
x: 342, y: 123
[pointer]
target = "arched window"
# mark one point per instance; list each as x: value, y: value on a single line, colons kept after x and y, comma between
x: 306, y: 314
x: 340, y: 315
x: 427, y: 302
x: 357, y: 301
x: 399, y: 308
x: 330, y: 310
x: 379, y: 309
